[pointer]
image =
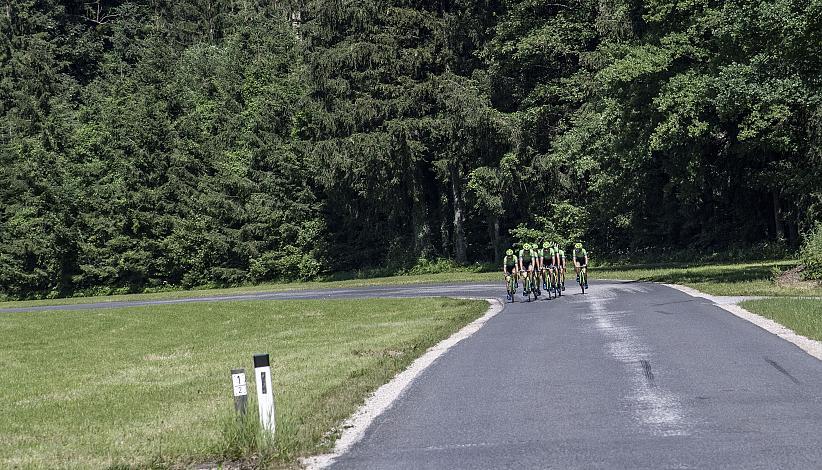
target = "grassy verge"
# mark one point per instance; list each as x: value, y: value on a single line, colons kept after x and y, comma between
x: 716, y: 279
x: 803, y: 316
x: 150, y: 386
x: 269, y: 287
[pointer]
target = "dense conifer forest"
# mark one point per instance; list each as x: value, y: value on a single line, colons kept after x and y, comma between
x: 157, y: 143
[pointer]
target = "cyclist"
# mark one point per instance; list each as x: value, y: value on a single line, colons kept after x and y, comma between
x: 509, y: 268
x: 560, y: 264
x: 548, y: 258
x: 527, y: 259
x: 580, y: 256
x: 537, y: 266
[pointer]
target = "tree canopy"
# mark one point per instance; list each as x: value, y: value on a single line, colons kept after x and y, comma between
x: 183, y: 143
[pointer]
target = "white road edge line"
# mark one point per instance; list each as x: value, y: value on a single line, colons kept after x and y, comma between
x: 355, y: 426
x: 810, y: 346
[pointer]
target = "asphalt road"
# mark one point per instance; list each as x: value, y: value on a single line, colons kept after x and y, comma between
x: 629, y: 375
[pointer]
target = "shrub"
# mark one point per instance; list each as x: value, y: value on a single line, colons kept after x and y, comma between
x: 811, y: 253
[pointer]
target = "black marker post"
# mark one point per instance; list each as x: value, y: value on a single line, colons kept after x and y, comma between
x: 265, y: 396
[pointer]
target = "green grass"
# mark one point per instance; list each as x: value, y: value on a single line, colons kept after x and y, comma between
x: 136, y: 386
x: 803, y: 316
x: 716, y: 279
x: 269, y: 287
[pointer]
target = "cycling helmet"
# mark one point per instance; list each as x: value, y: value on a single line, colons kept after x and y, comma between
x: 526, y: 246
x: 546, y: 245
x: 509, y: 252
x: 577, y: 245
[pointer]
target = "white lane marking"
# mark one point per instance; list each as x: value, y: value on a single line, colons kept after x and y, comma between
x: 810, y: 346
x: 355, y: 426
x: 657, y: 409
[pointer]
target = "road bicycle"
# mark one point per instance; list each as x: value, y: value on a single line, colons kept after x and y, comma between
x: 528, y: 285
x: 511, y: 286
x: 583, y: 277
x: 554, y: 276
x: 553, y: 281
x: 545, y: 277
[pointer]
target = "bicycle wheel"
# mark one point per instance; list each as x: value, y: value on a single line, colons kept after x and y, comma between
x: 583, y: 279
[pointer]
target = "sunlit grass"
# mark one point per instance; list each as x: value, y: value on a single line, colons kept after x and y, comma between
x: 716, y: 279
x: 94, y: 388
x: 803, y: 316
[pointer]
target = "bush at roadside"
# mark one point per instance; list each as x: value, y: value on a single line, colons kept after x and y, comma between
x: 811, y: 254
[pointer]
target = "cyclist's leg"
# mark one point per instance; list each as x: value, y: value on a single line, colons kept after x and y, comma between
x: 562, y: 276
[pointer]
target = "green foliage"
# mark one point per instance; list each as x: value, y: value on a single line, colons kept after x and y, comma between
x: 811, y: 253
x: 148, y: 146
x: 151, y: 150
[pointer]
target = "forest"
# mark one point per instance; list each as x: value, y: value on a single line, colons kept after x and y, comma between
x: 159, y: 144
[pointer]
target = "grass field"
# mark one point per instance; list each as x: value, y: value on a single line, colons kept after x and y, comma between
x: 804, y: 316
x: 151, y: 385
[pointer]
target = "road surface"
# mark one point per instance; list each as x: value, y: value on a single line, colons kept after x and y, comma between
x: 629, y: 375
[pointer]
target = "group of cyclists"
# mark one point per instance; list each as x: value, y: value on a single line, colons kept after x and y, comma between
x: 545, y: 266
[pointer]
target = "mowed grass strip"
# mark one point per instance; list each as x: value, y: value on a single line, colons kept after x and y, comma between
x: 716, y: 279
x: 804, y: 316
x: 136, y: 386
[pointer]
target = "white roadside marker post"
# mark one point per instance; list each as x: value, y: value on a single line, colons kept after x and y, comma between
x: 265, y: 395
x: 240, y: 391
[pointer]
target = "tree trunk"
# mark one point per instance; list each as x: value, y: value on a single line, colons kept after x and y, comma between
x: 459, y: 230
x: 422, y: 226
x: 777, y: 222
x: 445, y: 227
x: 493, y: 229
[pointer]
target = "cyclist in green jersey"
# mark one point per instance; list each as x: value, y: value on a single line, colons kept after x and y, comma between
x: 527, y: 260
x: 509, y: 266
x: 580, y: 256
x: 561, y: 268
